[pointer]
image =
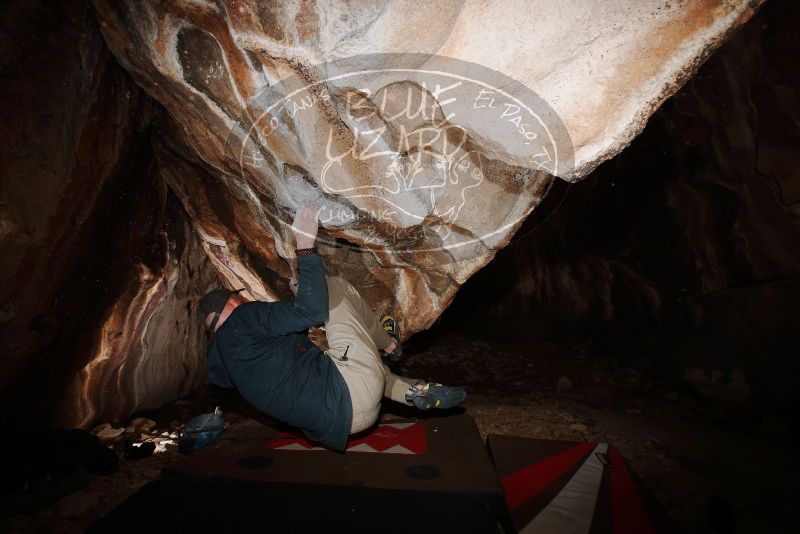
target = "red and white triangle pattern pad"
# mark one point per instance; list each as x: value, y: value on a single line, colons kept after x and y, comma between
x: 387, y: 438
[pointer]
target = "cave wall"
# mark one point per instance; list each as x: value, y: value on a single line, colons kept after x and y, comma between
x: 681, y: 254
x: 69, y: 118
x: 100, y: 269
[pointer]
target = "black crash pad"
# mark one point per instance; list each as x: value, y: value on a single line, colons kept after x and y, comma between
x: 194, y: 506
x: 401, y: 476
x: 451, y: 458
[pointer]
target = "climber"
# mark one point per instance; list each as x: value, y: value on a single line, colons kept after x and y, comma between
x: 263, y: 350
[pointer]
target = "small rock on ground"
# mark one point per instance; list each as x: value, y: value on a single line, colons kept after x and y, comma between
x: 564, y: 384
x: 110, y: 433
x: 99, y: 428
x: 143, y: 425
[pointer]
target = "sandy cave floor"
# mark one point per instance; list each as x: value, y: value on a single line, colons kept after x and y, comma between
x: 687, y: 449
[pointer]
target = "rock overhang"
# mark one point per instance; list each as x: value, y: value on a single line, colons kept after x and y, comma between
x: 265, y: 104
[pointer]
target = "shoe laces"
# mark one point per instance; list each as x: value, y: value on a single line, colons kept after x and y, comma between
x: 420, y: 388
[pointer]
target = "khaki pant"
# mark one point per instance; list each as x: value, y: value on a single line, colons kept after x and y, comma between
x: 352, y: 327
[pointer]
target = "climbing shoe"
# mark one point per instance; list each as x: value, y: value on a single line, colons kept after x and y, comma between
x: 427, y: 395
x: 390, y: 326
x: 200, y: 431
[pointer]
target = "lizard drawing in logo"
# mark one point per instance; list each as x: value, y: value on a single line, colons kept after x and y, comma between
x: 419, y: 164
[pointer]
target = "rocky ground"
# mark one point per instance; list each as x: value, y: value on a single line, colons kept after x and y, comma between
x: 700, y: 458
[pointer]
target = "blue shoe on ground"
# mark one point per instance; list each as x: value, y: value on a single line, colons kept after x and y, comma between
x: 201, y: 431
x: 427, y: 395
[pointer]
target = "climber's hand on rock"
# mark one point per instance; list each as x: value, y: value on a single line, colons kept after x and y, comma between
x: 304, y: 226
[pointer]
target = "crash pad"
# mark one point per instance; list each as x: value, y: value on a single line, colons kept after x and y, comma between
x: 437, y: 454
x: 560, y: 487
x: 170, y: 505
x: 395, y: 477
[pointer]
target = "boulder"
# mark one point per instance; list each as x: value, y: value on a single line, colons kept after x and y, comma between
x: 426, y: 136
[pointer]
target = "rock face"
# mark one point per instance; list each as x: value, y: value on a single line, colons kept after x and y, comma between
x: 421, y: 176
x: 150, y: 347
x: 100, y: 267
